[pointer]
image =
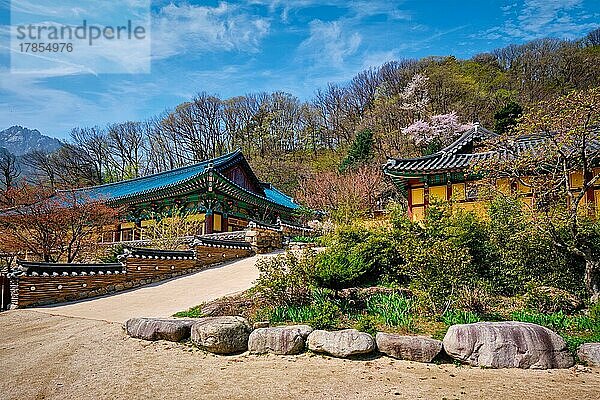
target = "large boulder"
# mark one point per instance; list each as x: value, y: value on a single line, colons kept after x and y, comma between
x: 589, y: 353
x: 507, y: 345
x: 221, y: 335
x: 174, y: 330
x: 279, y: 340
x: 413, y: 348
x: 345, y: 343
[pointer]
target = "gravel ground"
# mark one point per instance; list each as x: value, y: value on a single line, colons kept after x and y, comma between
x: 57, y: 357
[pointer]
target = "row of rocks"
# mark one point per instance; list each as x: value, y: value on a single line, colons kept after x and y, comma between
x: 486, y: 344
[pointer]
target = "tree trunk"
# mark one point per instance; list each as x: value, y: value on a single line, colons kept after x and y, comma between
x: 592, y: 278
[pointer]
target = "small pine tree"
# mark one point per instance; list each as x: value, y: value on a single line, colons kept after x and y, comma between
x: 360, y: 152
x: 506, y: 117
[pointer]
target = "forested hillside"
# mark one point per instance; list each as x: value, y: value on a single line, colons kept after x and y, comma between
x: 405, y: 107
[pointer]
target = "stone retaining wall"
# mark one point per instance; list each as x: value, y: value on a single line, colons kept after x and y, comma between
x: 43, y: 283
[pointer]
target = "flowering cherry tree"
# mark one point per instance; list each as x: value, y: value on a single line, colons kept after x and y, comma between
x: 438, y: 131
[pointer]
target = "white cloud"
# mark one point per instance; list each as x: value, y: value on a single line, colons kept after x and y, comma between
x: 179, y: 29
x: 329, y: 43
x: 544, y: 18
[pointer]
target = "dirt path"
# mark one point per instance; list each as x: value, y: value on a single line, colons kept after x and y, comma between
x: 55, y: 357
x: 165, y: 298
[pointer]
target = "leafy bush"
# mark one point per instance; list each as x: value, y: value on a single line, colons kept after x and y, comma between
x: 366, y: 323
x: 327, y: 315
x: 112, y: 254
x: 546, y: 299
x: 357, y: 256
x: 286, y: 279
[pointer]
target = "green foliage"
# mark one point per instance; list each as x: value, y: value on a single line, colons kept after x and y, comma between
x: 360, y: 152
x: 327, y: 315
x: 304, y: 239
x: 506, y: 117
x: 286, y: 279
x: 366, y: 323
x: 193, y: 312
x: 393, y: 310
x: 454, y: 317
x: 321, y: 313
x: 112, y: 254
x: 356, y: 256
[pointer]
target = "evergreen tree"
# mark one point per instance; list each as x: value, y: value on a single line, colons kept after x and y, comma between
x: 360, y: 152
x: 506, y: 117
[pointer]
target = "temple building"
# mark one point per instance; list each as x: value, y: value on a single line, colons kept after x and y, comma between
x: 223, y: 193
x: 445, y: 175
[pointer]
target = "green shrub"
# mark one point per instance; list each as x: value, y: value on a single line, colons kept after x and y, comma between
x: 326, y: 315
x: 366, y: 323
x: 357, y: 256
x: 194, y: 312
x: 555, y: 321
x: 286, y: 279
x: 304, y: 239
x: 112, y: 254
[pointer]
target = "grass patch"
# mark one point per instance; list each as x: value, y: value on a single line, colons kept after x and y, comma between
x: 194, y: 312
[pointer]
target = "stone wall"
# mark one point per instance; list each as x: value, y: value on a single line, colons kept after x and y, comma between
x: 42, y: 283
x: 264, y: 238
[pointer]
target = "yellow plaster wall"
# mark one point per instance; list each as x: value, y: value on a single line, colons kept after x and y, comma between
x: 418, y: 196
x: 217, y: 222
x: 576, y: 179
x: 438, y: 193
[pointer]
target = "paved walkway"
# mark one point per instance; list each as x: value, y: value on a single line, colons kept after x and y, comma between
x: 163, y: 299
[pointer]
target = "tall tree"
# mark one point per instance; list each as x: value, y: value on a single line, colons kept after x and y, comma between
x: 9, y: 173
x: 360, y: 152
x: 54, y: 226
x: 568, y: 146
x: 506, y: 118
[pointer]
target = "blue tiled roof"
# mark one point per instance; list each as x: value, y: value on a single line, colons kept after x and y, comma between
x: 162, y: 180
x: 279, y: 197
x: 149, y: 183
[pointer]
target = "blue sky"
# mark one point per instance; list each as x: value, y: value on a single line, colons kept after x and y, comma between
x: 231, y: 48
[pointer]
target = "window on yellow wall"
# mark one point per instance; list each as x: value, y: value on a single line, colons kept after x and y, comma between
x: 217, y: 222
x: 418, y: 214
x: 597, y: 200
x: 458, y: 191
x: 417, y: 196
x: 576, y: 179
x: 503, y: 185
x: 438, y: 193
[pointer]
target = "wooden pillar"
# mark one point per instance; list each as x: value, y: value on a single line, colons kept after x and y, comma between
x: 409, y: 200
x: 224, y: 223
x: 208, y: 222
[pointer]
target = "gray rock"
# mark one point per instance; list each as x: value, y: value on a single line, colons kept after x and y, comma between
x: 278, y: 340
x: 221, y: 335
x: 345, y: 343
x: 589, y: 353
x: 413, y: 348
x: 174, y: 330
x: 305, y: 330
x: 507, y: 345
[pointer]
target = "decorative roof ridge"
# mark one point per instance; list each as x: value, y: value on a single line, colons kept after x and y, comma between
x: 219, y: 160
x: 257, y: 195
x: 452, y: 148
